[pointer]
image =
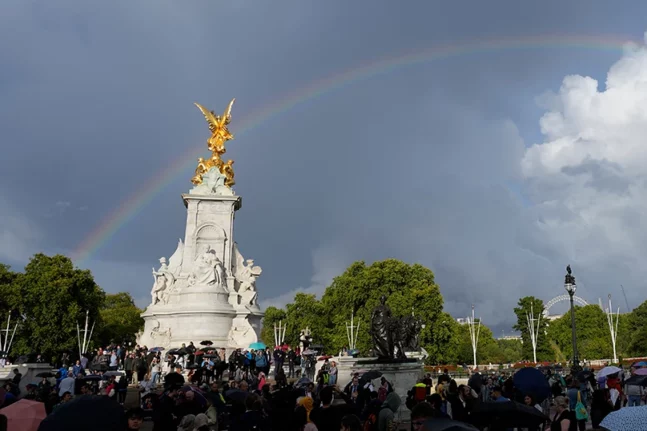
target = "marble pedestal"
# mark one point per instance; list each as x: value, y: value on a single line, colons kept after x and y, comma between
x: 402, y: 375
x: 207, y: 289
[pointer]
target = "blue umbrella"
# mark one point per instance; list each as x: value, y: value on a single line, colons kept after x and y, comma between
x: 533, y: 382
x: 626, y: 419
x: 640, y: 364
x: 257, y: 346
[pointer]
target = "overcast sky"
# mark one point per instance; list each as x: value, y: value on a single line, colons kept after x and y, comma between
x: 495, y: 164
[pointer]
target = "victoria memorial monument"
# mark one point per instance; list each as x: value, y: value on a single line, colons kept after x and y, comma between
x: 207, y: 289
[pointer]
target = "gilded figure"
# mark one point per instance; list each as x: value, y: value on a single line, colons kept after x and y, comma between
x: 216, y: 144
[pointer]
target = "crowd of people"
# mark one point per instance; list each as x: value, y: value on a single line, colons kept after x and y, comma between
x: 573, y: 404
x: 204, y: 389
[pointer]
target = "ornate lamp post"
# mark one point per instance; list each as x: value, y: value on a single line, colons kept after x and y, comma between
x: 571, y: 287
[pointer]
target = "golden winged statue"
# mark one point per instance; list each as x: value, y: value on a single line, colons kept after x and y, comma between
x: 216, y: 144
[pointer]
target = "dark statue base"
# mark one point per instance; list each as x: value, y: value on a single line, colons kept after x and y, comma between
x: 386, y: 361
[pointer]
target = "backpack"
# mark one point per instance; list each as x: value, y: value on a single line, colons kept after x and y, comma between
x: 371, y: 422
x: 580, y: 409
x: 382, y: 393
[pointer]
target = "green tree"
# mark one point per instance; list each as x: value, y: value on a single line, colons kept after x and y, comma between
x: 307, y: 312
x: 593, y: 339
x: 487, y: 349
x: 636, y: 325
x: 526, y: 306
x: 9, y: 293
x: 408, y: 288
x: 120, y: 320
x: 55, y: 296
x: 445, y: 343
x: 273, y: 316
x: 511, y: 351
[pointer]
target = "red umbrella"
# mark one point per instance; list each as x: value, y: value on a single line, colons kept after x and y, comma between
x: 323, y: 358
x: 24, y: 415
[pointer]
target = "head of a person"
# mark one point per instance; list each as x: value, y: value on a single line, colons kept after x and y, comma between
x: 561, y: 404
x: 189, y: 396
x: 355, y: 380
x: 66, y: 397
x: 135, y: 417
x: 326, y: 396
x: 529, y: 400
x: 435, y: 401
x: 311, y: 387
x: 15, y: 371
x: 420, y: 413
x: 243, y: 386
x: 445, y: 371
x: 214, y: 387
x: 350, y: 423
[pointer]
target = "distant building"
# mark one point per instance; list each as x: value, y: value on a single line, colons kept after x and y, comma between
x: 510, y: 337
x: 462, y: 320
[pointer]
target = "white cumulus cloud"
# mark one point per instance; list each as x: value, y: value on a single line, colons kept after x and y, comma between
x: 588, y: 178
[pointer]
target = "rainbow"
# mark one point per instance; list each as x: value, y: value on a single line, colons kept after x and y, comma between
x: 138, y: 200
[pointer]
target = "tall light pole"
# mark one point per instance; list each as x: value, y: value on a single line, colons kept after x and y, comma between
x: 613, y: 327
x: 474, y: 333
x: 533, y: 329
x: 571, y: 287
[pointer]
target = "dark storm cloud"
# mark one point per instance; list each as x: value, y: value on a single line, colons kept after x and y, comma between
x: 421, y: 163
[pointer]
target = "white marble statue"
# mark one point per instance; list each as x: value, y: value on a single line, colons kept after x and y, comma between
x: 246, y: 274
x: 208, y: 270
x: 213, y: 183
x: 166, y: 276
x: 161, y: 337
x: 241, y: 333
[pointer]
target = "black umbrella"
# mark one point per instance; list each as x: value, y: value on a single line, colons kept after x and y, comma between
x: 45, y: 375
x: 636, y: 380
x: 443, y: 424
x: 508, y: 414
x: 206, y: 343
x: 98, y: 413
x: 92, y: 377
x: 236, y: 395
x: 173, y: 352
x: 369, y: 375
x: 532, y: 381
x: 173, y: 379
x: 303, y: 381
x: 99, y: 367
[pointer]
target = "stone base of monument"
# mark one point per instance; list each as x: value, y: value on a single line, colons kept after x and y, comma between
x: 403, y: 375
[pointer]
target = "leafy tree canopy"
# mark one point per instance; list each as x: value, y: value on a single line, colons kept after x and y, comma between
x: 120, y: 320
x: 51, y: 297
x: 54, y: 298
x: 531, y: 306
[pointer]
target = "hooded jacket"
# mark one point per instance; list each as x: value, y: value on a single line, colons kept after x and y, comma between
x: 387, y: 413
